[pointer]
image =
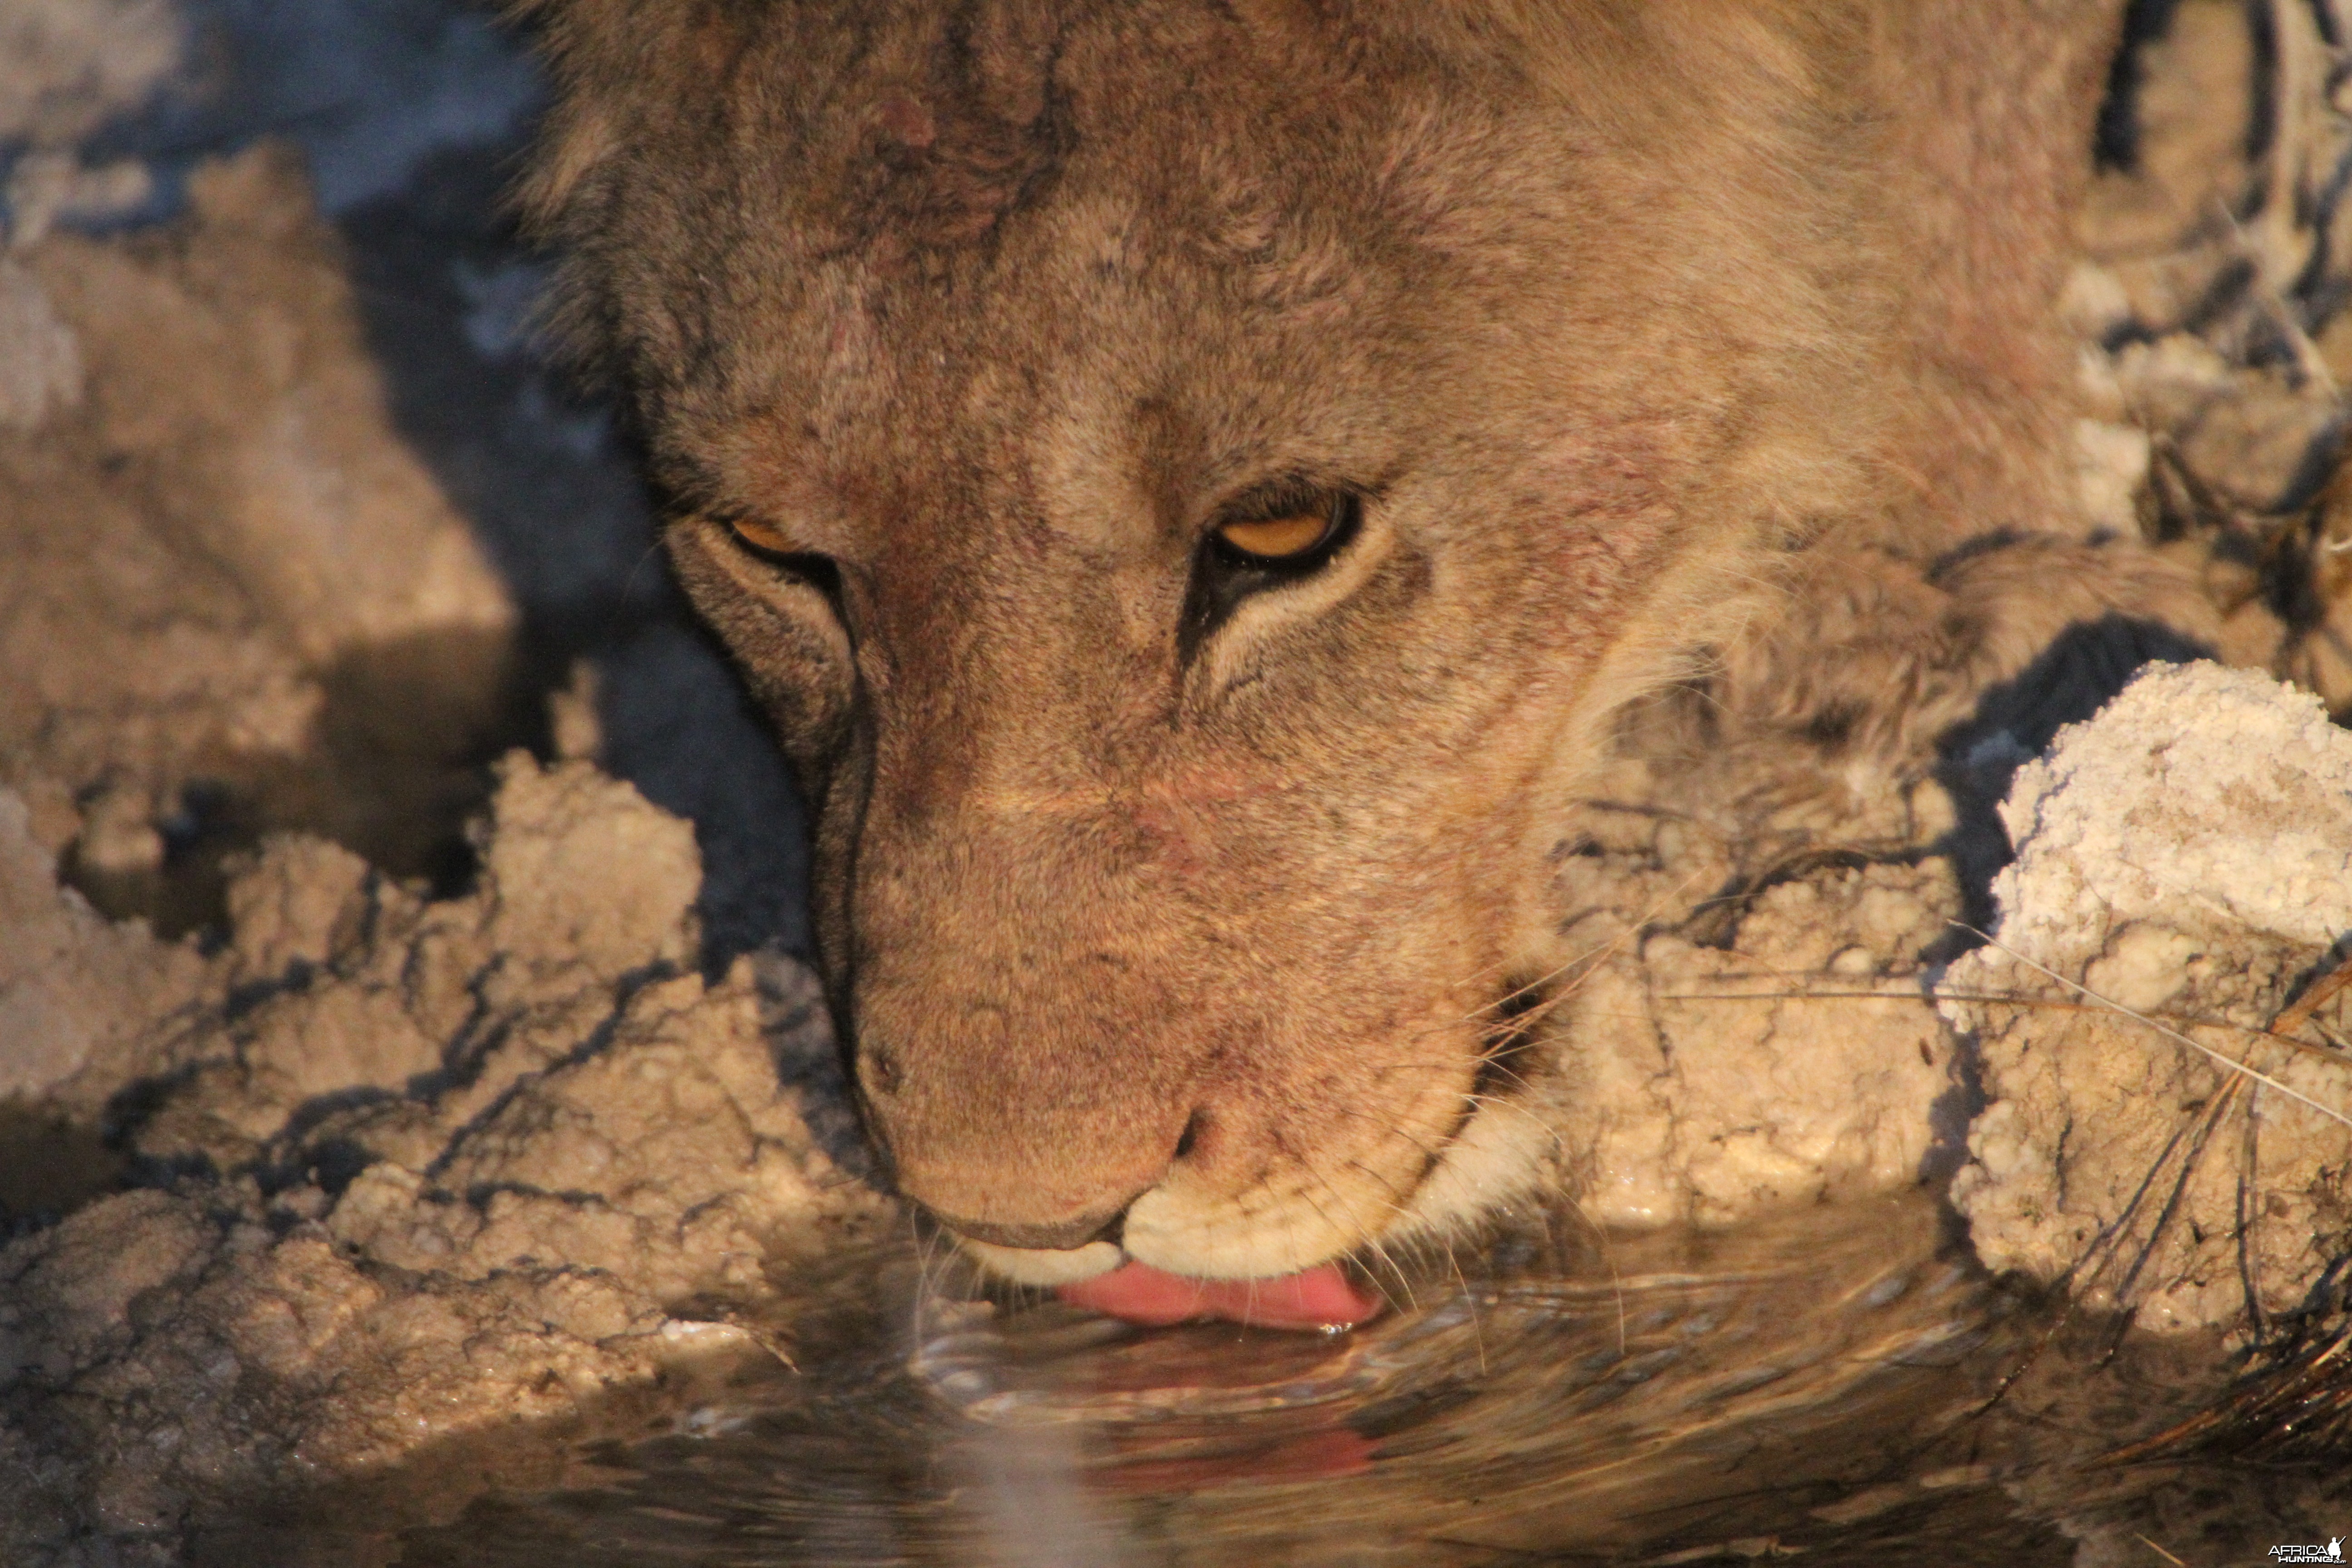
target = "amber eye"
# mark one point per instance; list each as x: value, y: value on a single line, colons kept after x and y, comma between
x: 1285, y: 535
x: 1279, y: 538
x: 759, y: 535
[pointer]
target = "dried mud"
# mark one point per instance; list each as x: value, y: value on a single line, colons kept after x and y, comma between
x: 415, y: 1169
x: 2183, y: 872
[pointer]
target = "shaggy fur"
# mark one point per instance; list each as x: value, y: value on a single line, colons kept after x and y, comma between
x: 1659, y: 341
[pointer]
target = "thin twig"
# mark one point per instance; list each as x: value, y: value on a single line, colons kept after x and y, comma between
x: 2009, y: 998
x: 2314, y: 996
x: 2171, y: 1034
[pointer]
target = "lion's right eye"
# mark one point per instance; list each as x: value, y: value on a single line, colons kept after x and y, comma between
x: 786, y: 565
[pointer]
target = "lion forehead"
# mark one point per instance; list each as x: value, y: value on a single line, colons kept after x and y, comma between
x: 870, y: 190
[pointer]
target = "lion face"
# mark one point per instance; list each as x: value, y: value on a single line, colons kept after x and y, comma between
x: 1189, y: 483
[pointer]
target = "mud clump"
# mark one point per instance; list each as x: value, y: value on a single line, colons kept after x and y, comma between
x: 442, y: 1166
x: 1741, y: 1037
x: 1708, y: 1079
x: 2186, y: 858
x: 234, y: 591
x: 76, y: 991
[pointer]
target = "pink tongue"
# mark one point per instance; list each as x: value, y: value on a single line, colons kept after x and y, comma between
x: 1319, y: 1298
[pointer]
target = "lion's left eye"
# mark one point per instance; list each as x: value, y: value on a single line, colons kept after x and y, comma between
x: 1283, y: 537
x: 1285, y: 534
x: 1280, y: 538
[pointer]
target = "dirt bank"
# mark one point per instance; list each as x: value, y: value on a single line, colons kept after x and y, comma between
x: 415, y: 1169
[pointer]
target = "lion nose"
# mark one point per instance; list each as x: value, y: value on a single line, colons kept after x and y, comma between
x: 1102, y: 1225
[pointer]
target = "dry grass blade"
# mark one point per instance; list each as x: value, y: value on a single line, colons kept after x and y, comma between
x: 2294, y: 1403
x: 2315, y: 995
x: 2276, y: 1034
x: 2217, y: 1058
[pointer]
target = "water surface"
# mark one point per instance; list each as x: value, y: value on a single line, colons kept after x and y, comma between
x: 1844, y: 1386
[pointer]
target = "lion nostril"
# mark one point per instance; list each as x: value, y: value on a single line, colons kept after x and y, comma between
x: 1194, y: 1125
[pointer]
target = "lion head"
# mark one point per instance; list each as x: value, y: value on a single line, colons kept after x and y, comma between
x: 1191, y: 482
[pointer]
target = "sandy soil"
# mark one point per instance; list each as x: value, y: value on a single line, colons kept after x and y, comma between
x: 331, y: 1126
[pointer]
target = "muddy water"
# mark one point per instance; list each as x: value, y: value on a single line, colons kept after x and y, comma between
x: 1845, y: 1388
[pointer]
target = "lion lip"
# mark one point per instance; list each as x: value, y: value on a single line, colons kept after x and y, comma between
x: 1319, y: 1298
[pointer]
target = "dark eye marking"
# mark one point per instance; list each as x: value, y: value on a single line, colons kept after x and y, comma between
x: 767, y: 543
x: 1276, y: 537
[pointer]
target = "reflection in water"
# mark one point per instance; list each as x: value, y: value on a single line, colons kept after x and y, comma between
x: 1818, y: 1388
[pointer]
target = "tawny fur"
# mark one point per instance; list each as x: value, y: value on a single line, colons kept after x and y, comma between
x: 1695, y: 346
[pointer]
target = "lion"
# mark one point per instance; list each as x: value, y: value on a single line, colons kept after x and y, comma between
x: 1199, y: 485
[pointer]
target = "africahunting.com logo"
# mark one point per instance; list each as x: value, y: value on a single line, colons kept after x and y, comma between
x: 2331, y: 1552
